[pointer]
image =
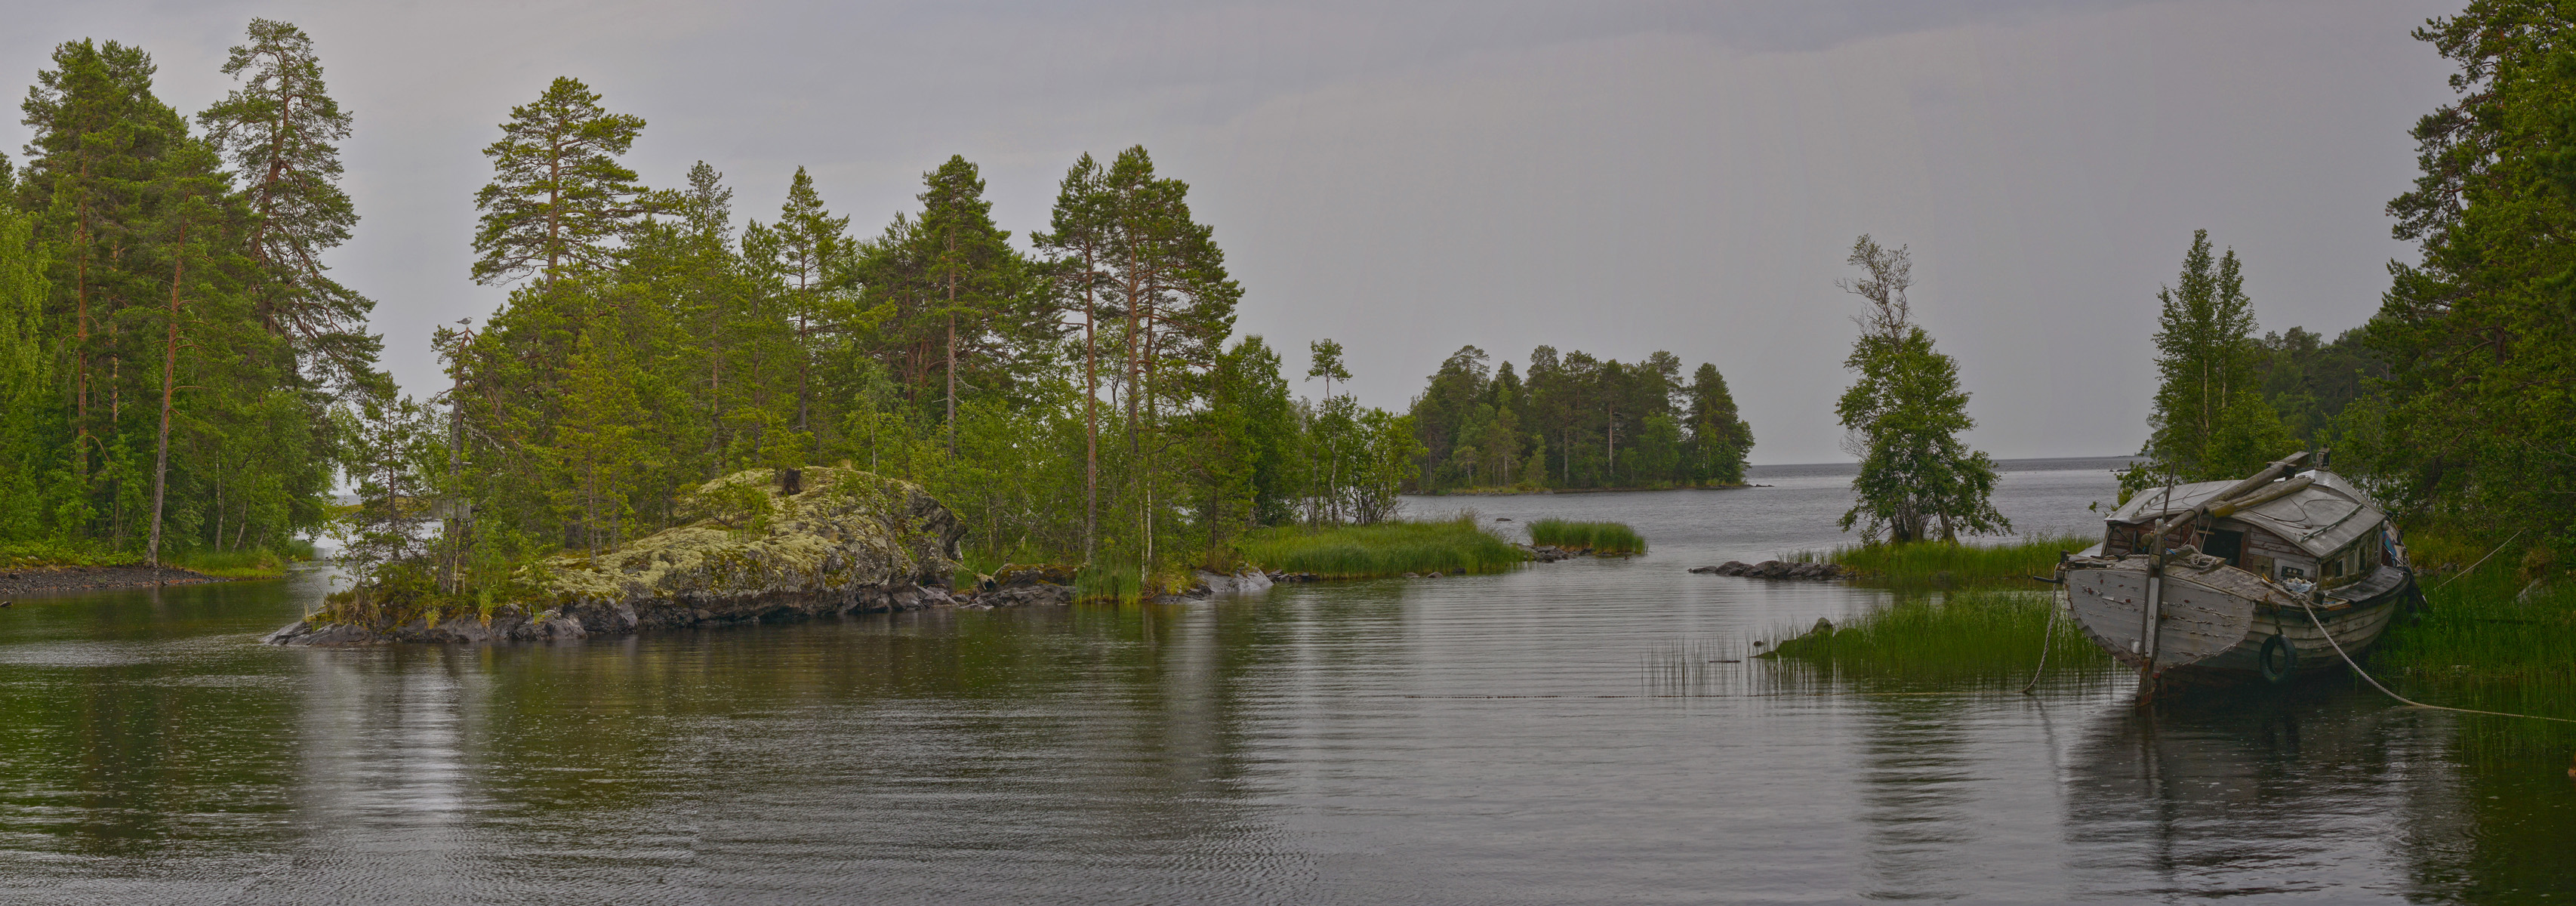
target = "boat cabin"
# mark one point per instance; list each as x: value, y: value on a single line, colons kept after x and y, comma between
x: 2325, y: 533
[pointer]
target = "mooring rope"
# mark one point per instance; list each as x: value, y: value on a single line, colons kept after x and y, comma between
x: 2482, y: 561
x: 2047, y: 636
x: 2374, y: 681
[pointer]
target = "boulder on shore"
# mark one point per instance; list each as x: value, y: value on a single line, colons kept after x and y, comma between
x: 1774, y: 569
x: 838, y: 541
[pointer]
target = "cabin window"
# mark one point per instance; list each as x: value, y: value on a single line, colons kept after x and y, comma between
x: 2225, y: 545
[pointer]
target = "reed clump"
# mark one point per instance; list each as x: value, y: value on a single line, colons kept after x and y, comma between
x: 1985, y: 637
x: 2486, y: 626
x: 255, y: 563
x: 1598, y: 537
x: 1946, y: 564
x: 1384, y: 549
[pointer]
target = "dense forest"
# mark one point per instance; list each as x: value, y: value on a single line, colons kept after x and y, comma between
x: 185, y: 377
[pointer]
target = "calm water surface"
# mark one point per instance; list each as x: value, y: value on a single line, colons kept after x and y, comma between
x: 1498, y: 739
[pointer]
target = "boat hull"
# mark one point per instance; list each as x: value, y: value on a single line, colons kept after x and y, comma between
x: 2218, y: 621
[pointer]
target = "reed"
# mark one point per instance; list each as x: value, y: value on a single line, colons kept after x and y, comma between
x: 1385, y: 549
x: 1598, y: 537
x: 254, y: 563
x: 1979, y: 638
x: 2484, y: 627
x: 1946, y: 564
x: 1107, y: 581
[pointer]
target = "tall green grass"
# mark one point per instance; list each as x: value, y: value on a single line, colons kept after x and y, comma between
x: 254, y: 563
x: 40, y: 554
x: 2479, y: 643
x: 1109, y: 581
x: 2478, y: 629
x: 1599, y: 537
x: 1952, y: 565
x: 1975, y: 638
x: 1385, y: 549
x: 251, y: 563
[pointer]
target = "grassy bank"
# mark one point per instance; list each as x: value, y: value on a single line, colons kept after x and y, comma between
x: 1599, y: 537
x: 255, y: 563
x: 2482, y: 642
x: 2482, y: 628
x: 1986, y: 638
x: 1386, y: 549
x: 1948, y: 565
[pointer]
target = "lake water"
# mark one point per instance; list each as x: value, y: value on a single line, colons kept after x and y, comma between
x: 1495, y: 739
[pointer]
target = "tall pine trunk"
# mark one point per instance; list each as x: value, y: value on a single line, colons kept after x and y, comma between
x: 169, y: 369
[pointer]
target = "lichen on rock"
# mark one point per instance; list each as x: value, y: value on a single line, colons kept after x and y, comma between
x: 848, y: 542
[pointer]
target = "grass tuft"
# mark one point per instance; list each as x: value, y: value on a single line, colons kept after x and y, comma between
x: 1988, y: 638
x: 255, y: 563
x: 1944, y: 564
x: 1598, y: 537
x: 1384, y: 549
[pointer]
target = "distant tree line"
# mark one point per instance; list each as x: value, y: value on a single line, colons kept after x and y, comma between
x: 1576, y: 421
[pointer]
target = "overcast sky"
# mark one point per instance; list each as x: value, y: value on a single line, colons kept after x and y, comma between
x: 1615, y: 178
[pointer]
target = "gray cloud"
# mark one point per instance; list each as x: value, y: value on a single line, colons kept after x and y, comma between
x: 1613, y: 177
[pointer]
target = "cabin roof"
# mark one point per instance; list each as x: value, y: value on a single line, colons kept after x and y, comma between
x: 2321, y: 518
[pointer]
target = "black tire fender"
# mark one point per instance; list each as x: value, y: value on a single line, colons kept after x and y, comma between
x: 2278, y: 659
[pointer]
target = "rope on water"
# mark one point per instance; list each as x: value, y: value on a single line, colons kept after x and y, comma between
x: 2482, y: 561
x: 2374, y: 681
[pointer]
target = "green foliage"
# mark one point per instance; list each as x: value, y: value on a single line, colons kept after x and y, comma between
x: 1903, y: 418
x: 1950, y: 564
x: 1577, y: 421
x: 170, y: 409
x: 2210, y: 419
x: 1989, y: 639
x: 1597, y: 537
x: 1383, y: 549
x: 279, y: 130
x: 2481, y: 349
x: 2311, y: 383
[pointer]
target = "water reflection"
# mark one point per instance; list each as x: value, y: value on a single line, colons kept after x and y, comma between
x: 1493, y: 739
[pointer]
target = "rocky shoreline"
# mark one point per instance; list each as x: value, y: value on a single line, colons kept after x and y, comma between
x: 93, y: 578
x: 1774, y: 569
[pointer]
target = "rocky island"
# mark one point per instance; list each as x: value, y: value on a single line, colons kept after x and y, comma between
x: 760, y: 544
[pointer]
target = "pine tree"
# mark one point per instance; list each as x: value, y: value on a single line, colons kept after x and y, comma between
x: 807, y: 253
x: 191, y: 232
x: 558, y: 199
x: 970, y: 263
x: 1720, y: 440
x: 2210, y: 420
x: 99, y: 138
x: 280, y: 130
x: 1079, y: 241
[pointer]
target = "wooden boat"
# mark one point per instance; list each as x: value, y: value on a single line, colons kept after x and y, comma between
x: 2229, y: 574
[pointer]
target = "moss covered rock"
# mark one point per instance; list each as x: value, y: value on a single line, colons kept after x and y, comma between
x: 846, y: 542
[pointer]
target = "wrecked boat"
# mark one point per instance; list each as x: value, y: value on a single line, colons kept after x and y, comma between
x: 2260, y: 580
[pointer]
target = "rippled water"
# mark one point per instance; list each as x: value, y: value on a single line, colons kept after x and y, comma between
x: 1499, y: 739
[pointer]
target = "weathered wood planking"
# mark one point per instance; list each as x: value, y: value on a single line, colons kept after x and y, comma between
x: 2197, y: 620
